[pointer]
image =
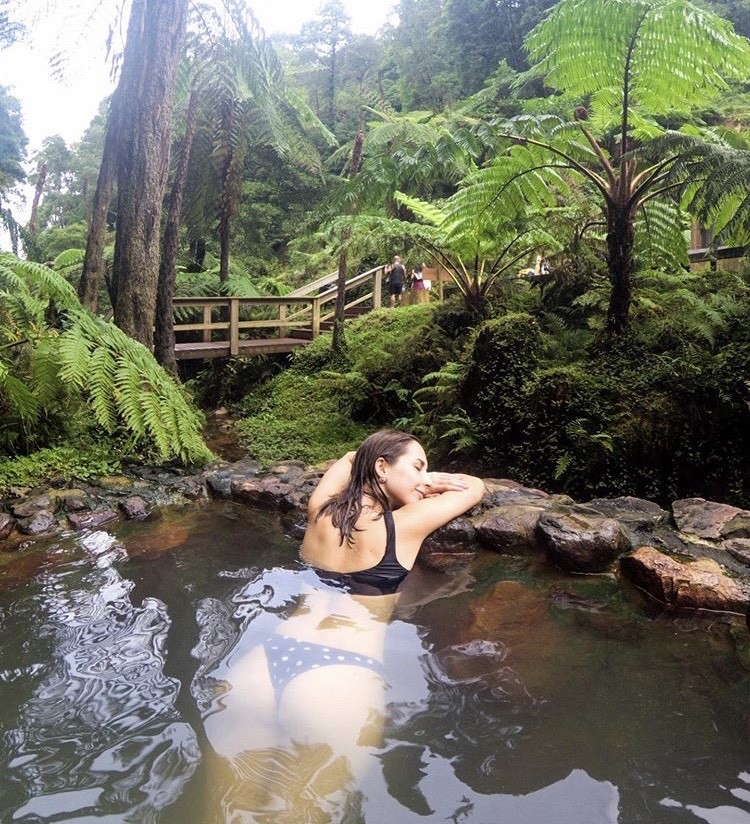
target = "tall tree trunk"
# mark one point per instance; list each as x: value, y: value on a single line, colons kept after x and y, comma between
x: 338, y: 341
x: 164, y: 328
x: 41, y: 179
x: 93, y: 261
x: 85, y: 206
x: 231, y: 186
x: 620, y: 239
x: 224, y: 239
x: 143, y: 160
x: 198, y: 254
x: 332, y: 90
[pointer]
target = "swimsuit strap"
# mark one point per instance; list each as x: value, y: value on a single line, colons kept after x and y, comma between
x: 390, y: 537
x: 382, y: 578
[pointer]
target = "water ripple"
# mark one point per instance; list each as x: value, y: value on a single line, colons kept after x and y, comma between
x: 100, y: 732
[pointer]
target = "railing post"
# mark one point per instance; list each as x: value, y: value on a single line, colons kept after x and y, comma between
x: 315, y: 317
x: 377, y: 289
x: 234, y: 332
x: 207, y: 323
x: 282, y: 320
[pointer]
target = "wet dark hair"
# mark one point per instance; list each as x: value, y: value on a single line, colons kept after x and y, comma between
x: 345, y: 508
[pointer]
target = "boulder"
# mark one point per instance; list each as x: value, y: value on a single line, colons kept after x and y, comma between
x: 267, y: 493
x: 580, y: 542
x: 739, y: 548
x: 634, y: 513
x: 219, y: 482
x: 287, y: 471
x: 40, y: 523
x: 192, y: 488
x: 135, y: 508
x: 503, y: 491
x: 510, y: 529
x: 738, y: 526
x: 701, y: 584
x: 73, y: 500
x: 451, y: 546
x: 706, y: 519
x: 91, y: 520
x: 114, y: 483
x: 7, y: 522
x: 30, y: 506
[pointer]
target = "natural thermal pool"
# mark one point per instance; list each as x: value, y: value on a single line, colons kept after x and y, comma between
x: 512, y: 692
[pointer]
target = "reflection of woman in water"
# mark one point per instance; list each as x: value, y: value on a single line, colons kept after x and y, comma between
x: 306, y: 707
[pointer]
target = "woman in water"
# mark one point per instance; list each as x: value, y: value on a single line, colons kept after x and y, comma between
x: 306, y: 709
x: 369, y: 514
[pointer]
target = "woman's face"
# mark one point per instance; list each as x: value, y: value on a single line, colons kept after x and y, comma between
x: 406, y: 477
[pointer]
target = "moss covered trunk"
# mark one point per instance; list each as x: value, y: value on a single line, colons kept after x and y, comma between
x: 620, y: 239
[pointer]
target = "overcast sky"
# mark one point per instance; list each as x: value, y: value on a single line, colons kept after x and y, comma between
x: 66, y: 108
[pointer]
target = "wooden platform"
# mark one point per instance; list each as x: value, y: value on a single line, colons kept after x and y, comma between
x: 246, y: 348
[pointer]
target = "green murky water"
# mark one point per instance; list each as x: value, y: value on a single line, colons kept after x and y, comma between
x: 514, y: 693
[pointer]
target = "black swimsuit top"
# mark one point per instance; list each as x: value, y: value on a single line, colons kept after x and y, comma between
x: 385, y: 577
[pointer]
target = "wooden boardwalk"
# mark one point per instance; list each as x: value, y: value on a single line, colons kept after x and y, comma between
x: 237, y: 327
x: 224, y: 327
x: 245, y: 348
x: 240, y: 327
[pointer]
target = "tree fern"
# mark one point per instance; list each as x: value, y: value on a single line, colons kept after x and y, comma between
x: 620, y: 64
x: 477, y: 245
x: 656, y: 56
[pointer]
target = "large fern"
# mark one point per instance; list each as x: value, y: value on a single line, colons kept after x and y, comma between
x: 619, y: 65
x: 98, y: 358
x: 82, y: 359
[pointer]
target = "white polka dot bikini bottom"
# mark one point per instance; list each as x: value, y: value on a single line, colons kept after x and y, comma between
x: 289, y: 657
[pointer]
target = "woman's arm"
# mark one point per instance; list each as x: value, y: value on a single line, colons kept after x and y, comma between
x: 334, y: 481
x: 448, y: 496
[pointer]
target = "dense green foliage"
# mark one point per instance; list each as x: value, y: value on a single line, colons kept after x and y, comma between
x: 61, y: 463
x: 67, y: 376
x: 528, y: 396
x: 321, y: 407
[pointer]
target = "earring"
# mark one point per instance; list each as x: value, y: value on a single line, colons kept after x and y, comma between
x: 382, y: 479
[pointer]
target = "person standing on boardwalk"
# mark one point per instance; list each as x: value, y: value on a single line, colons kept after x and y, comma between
x: 396, y: 280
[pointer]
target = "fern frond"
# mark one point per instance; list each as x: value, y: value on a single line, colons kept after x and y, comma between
x: 69, y: 258
x: 20, y: 397
x: 74, y: 351
x: 591, y: 47
x: 101, y: 380
x: 562, y: 464
x: 45, y: 379
x: 42, y: 279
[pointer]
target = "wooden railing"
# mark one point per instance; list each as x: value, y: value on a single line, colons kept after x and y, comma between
x: 711, y: 256
x: 291, y: 320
